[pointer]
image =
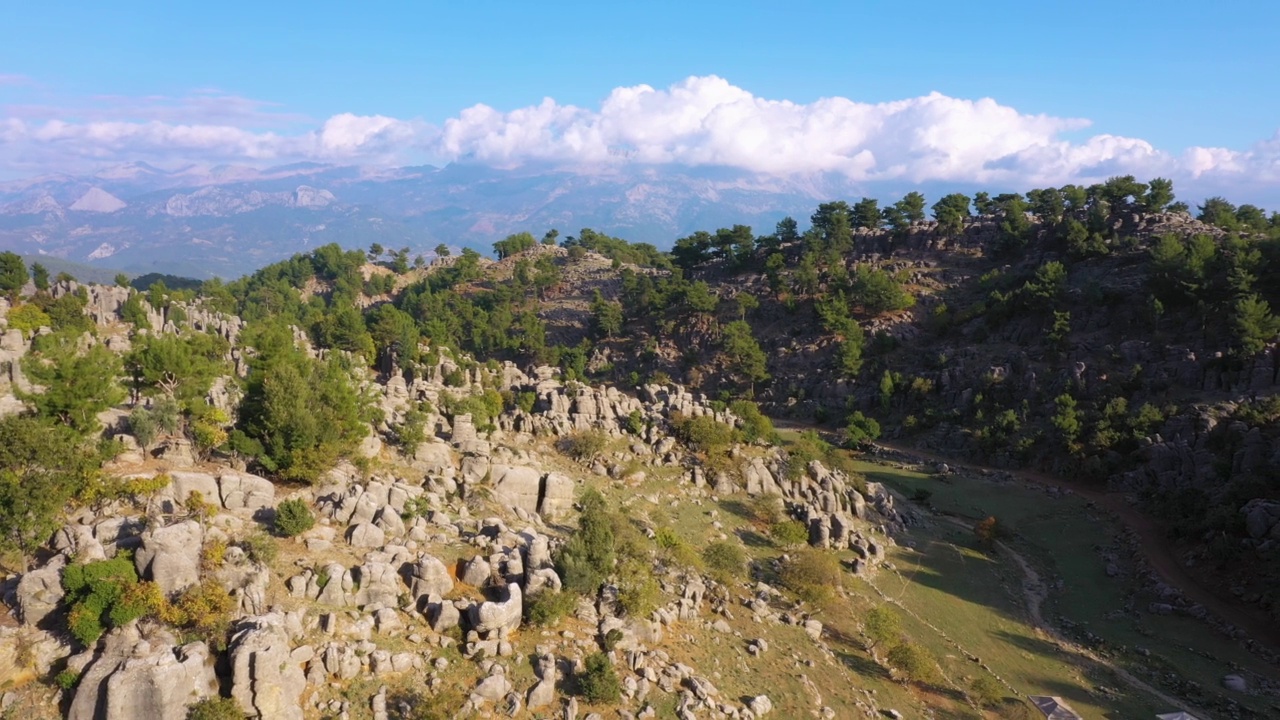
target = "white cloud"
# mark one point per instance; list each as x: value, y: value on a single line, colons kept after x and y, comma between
x: 701, y: 121
x: 708, y: 121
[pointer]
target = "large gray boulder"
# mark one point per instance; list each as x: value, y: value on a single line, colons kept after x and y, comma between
x: 378, y: 583
x: 241, y: 491
x: 499, y: 618
x: 429, y: 576
x: 516, y: 487
x: 557, y: 496
x: 477, y: 572
x: 40, y: 591
x: 266, y: 681
x: 185, y: 483
x: 170, y: 556
x: 366, y: 535
x: 140, y: 674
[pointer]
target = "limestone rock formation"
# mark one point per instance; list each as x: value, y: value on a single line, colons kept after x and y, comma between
x: 170, y: 556
x: 139, y: 673
x: 266, y: 681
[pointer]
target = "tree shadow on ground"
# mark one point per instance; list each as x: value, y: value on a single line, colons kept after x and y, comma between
x: 737, y: 508
x: 863, y: 665
x: 751, y: 538
x: 1076, y: 695
x: 1038, y: 646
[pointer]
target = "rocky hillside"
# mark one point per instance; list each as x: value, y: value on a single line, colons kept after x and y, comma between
x: 347, y: 486
x: 411, y: 579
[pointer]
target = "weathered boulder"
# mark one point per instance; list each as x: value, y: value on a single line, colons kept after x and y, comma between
x: 40, y: 591
x: 543, y: 693
x: 476, y: 572
x: 26, y: 651
x: 499, y: 618
x: 463, y: 430
x: 140, y: 674
x: 170, y: 556
x: 266, y: 681
x: 760, y: 705
x: 177, y: 452
x: 434, y: 457
x: 184, y: 483
x: 516, y: 487
x: 379, y: 583
x: 474, y: 469
x: 429, y: 576
x: 243, y: 491
x: 1262, y: 518
x: 557, y: 496
x: 366, y: 535
x: 441, y: 614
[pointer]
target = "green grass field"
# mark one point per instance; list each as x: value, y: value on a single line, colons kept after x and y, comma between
x: 1062, y: 537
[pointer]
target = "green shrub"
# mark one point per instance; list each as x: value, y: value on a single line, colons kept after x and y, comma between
x: 788, y: 533
x: 755, y: 424
x: 409, y: 434
x: 143, y: 426
x: 585, y: 446
x: 861, y: 429
x: 598, y: 683
x: 105, y: 594
x: 635, y: 421
x: 812, y: 574
x: 545, y: 609
x: 215, y: 708
x: 986, y: 691
x: 725, y: 558
x: 638, y: 590
x: 587, y: 558
x: 260, y: 547
x: 882, y: 626
x: 676, y: 548
x: 67, y: 679
x: 293, y: 517
x: 704, y: 432
x: 611, y: 639
x: 913, y: 662
x: 809, y: 446
x: 765, y: 510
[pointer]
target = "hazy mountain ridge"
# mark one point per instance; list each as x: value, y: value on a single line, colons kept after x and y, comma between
x: 229, y: 220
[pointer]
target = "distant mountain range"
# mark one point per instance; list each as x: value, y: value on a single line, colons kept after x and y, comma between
x: 228, y: 220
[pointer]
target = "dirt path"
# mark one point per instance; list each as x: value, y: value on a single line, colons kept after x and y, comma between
x: 1151, y: 542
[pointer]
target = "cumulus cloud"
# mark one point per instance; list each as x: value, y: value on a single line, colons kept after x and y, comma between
x: 935, y: 138
x: 701, y: 121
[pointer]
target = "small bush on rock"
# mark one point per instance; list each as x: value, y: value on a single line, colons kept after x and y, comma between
x: 545, y: 609
x: 215, y: 708
x: 105, y: 594
x: 585, y: 446
x: 293, y: 518
x: 598, y: 683
x: 587, y: 558
x: 788, y: 533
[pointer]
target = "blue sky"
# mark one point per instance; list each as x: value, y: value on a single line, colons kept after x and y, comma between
x: 1174, y: 75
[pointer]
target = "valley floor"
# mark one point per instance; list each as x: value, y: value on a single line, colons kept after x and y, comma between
x: 1065, y: 605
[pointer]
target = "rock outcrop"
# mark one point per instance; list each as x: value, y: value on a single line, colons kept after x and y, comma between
x: 139, y: 673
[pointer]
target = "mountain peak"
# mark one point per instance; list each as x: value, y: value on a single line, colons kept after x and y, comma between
x: 98, y: 200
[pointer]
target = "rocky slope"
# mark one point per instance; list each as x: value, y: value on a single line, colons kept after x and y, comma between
x: 416, y: 579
